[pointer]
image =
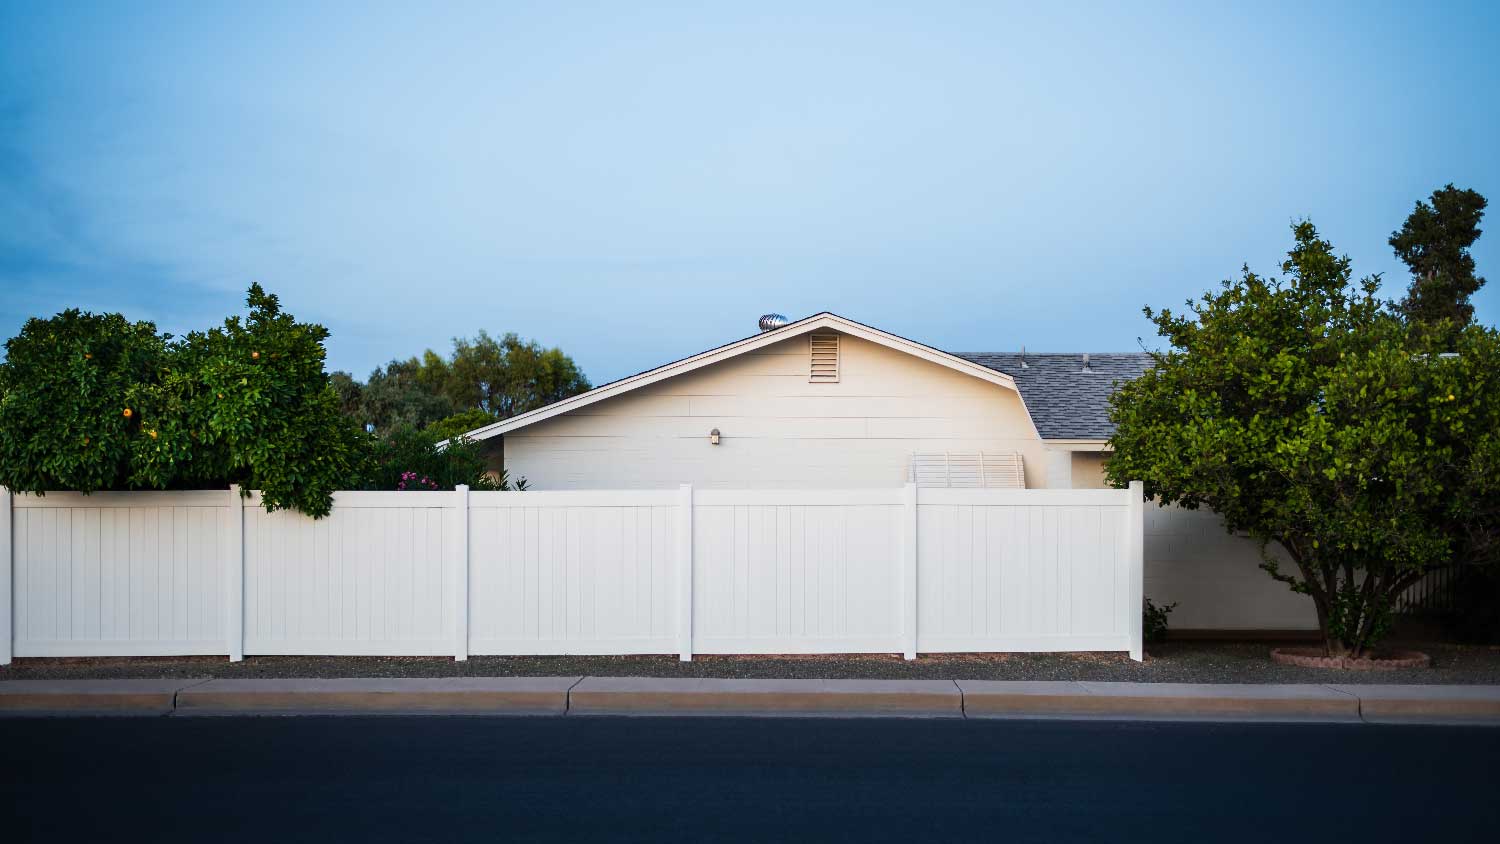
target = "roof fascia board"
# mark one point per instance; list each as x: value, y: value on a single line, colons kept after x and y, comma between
x: 1078, y: 445
x: 739, y: 347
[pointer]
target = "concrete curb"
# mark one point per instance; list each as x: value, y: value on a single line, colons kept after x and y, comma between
x: 1380, y: 704
x: 1168, y: 701
x: 843, y: 698
x: 467, y: 695
x: 650, y: 696
x: 91, y: 697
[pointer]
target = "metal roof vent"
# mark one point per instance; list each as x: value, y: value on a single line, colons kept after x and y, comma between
x: 771, y: 322
x: 1086, y: 362
x: 1023, y: 358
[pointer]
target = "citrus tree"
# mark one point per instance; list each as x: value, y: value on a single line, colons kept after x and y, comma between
x: 250, y: 403
x: 94, y: 402
x: 68, y: 388
x: 1305, y: 411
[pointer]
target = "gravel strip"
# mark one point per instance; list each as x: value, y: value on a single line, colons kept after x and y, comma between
x: 1172, y: 662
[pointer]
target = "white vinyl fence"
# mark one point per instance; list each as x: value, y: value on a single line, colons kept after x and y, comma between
x: 680, y: 571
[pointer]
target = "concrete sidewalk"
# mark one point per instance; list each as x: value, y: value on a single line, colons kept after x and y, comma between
x: 841, y: 698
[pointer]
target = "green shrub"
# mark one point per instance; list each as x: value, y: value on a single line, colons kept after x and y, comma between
x: 1154, y: 620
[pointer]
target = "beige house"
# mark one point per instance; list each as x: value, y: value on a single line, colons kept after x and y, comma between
x: 826, y: 402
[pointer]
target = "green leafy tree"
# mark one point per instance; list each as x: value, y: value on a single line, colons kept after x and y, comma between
x: 404, y: 392
x: 68, y: 400
x: 459, y: 424
x: 412, y: 460
x: 1308, y: 414
x: 350, y: 393
x: 1434, y: 243
x: 507, y: 376
x: 498, y: 377
x: 250, y: 403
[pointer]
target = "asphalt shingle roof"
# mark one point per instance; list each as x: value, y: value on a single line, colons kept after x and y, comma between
x: 1065, y: 401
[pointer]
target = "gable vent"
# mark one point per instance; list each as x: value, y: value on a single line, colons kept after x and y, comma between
x: 824, y: 350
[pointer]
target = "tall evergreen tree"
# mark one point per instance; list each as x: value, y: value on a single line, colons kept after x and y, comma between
x: 1434, y: 242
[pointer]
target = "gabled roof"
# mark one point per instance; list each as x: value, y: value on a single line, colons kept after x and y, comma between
x: 823, y: 320
x: 1067, y: 402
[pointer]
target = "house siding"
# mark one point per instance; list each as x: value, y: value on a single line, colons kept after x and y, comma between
x: 777, y: 429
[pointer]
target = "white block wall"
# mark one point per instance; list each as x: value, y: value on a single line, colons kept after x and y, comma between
x: 1215, y: 577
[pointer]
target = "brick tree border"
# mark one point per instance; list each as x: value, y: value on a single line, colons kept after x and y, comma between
x: 1314, y: 658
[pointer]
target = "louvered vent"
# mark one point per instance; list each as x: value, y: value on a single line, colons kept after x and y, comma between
x: 968, y: 470
x: 824, y: 350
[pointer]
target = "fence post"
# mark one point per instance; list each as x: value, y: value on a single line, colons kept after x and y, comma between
x: 234, y: 576
x: 461, y: 577
x: 685, y: 572
x: 909, y: 571
x: 7, y: 599
x: 1135, y: 552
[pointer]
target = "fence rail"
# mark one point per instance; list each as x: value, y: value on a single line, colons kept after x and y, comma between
x: 682, y: 571
x: 1435, y: 593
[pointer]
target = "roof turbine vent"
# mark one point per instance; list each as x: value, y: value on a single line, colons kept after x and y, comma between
x: 771, y: 322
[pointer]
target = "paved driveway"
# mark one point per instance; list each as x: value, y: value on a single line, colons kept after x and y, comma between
x: 499, y: 779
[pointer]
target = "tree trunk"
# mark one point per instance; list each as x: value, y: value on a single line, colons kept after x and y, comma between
x: 1331, y: 644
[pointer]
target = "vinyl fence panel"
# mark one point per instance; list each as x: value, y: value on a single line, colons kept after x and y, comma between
x: 117, y: 574
x: 572, y: 572
x: 796, y: 571
x: 895, y: 570
x: 1033, y: 570
x: 373, y: 578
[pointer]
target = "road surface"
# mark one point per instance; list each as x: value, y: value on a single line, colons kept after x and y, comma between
x: 710, y: 779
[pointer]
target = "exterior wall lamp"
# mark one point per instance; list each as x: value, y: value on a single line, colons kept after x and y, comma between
x: 713, y: 437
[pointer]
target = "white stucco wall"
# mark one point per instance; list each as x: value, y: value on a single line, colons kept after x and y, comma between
x: 778, y: 430
x: 1213, y: 576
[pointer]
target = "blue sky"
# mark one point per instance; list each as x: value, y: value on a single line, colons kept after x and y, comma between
x: 634, y: 182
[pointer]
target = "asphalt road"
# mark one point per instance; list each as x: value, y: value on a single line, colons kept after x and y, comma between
x: 578, y: 779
